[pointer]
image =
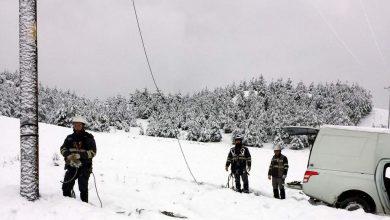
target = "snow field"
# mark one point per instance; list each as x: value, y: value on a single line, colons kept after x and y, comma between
x: 139, y: 176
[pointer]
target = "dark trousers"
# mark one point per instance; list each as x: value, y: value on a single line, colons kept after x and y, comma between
x: 82, y: 176
x: 278, y: 184
x: 238, y: 175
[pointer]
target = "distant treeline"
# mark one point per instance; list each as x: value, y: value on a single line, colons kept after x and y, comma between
x: 257, y: 109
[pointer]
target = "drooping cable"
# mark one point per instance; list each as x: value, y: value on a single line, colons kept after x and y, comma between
x: 97, y: 193
x: 155, y: 84
x: 144, y: 47
x: 73, y: 178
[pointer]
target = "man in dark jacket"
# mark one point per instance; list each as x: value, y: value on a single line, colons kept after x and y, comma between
x: 240, y: 159
x: 278, y: 172
x: 78, y: 150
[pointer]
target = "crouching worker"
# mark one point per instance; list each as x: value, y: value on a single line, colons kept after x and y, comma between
x: 278, y: 172
x: 240, y: 159
x: 78, y: 150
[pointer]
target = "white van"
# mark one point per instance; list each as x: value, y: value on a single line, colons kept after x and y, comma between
x: 349, y: 167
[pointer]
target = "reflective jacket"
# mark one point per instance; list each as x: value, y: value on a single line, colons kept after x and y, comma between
x: 278, y: 166
x: 81, y: 143
x: 239, y: 158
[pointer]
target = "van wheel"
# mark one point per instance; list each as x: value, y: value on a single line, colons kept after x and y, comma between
x: 355, y: 203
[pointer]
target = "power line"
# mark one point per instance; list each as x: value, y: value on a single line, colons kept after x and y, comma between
x: 158, y: 90
x: 373, y: 35
x: 143, y: 46
x: 335, y: 33
x: 378, y: 48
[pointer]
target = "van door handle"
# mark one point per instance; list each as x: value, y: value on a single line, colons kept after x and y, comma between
x: 311, y: 165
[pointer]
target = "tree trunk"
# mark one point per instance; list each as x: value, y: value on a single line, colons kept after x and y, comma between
x: 28, y: 63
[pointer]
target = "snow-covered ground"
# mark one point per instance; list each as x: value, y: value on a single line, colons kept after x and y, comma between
x: 139, y: 176
x: 377, y: 118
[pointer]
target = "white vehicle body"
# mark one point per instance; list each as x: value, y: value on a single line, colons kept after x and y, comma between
x: 347, y: 167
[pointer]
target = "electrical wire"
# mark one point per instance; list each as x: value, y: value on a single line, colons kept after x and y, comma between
x: 73, y: 178
x: 97, y: 193
x: 335, y: 33
x: 144, y: 47
x: 155, y: 84
x: 373, y: 35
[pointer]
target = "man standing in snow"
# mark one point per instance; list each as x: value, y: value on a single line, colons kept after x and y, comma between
x: 78, y: 150
x: 240, y: 159
x: 278, y: 172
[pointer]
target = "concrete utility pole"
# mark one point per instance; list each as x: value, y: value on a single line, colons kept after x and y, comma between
x: 28, y: 68
x: 388, y: 119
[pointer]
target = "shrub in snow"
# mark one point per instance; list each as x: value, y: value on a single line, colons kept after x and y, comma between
x: 299, y: 142
x: 228, y: 125
x: 194, y: 131
x: 161, y: 127
x: 56, y: 159
x: 215, y: 134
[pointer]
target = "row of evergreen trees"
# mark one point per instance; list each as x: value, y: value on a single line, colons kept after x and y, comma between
x: 256, y: 109
x: 58, y: 107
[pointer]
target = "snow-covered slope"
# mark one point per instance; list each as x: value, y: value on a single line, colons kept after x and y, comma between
x: 139, y: 176
x: 377, y: 118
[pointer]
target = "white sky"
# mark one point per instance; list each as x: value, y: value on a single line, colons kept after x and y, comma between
x: 93, y: 47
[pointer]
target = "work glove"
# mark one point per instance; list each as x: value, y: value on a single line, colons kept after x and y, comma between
x: 269, y: 177
x: 73, y: 157
x: 284, y: 177
x: 248, y: 169
x: 75, y: 163
x: 226, y: 168
x: 74, y: 160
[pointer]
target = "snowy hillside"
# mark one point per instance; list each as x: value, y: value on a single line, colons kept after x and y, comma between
x: 140, y: 176
x: 377, y: 118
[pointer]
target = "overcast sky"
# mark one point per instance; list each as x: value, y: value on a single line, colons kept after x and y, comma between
x: 92, y: 46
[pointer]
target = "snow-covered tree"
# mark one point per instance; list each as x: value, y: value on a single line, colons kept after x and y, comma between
x: 256, y: 109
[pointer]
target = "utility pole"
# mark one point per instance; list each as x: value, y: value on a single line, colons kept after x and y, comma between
x: 28, y: 69
x: 388, y: 119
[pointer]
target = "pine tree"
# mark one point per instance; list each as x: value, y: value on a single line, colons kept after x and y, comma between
x: 256, y: 109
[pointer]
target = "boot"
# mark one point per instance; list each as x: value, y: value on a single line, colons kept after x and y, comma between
x: 276, y: 193
x: 282, y: 193
x: 246, y: 187
x: 67, y: 193
x: 84, y: 196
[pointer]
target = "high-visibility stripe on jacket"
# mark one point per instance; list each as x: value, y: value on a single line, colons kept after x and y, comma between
x: 239, y: 158
x: 278, y: 166
x: 81, y: 143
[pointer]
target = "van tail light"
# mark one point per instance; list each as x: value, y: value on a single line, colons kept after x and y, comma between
x: 308, y: 174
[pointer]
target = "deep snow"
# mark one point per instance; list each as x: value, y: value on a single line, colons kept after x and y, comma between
x: 139, y: 176
x: 377, y: 118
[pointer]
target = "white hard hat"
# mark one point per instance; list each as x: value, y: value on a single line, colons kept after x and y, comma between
x: 80, y: 119
x: 277, y: 147
x: 238, y: 137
